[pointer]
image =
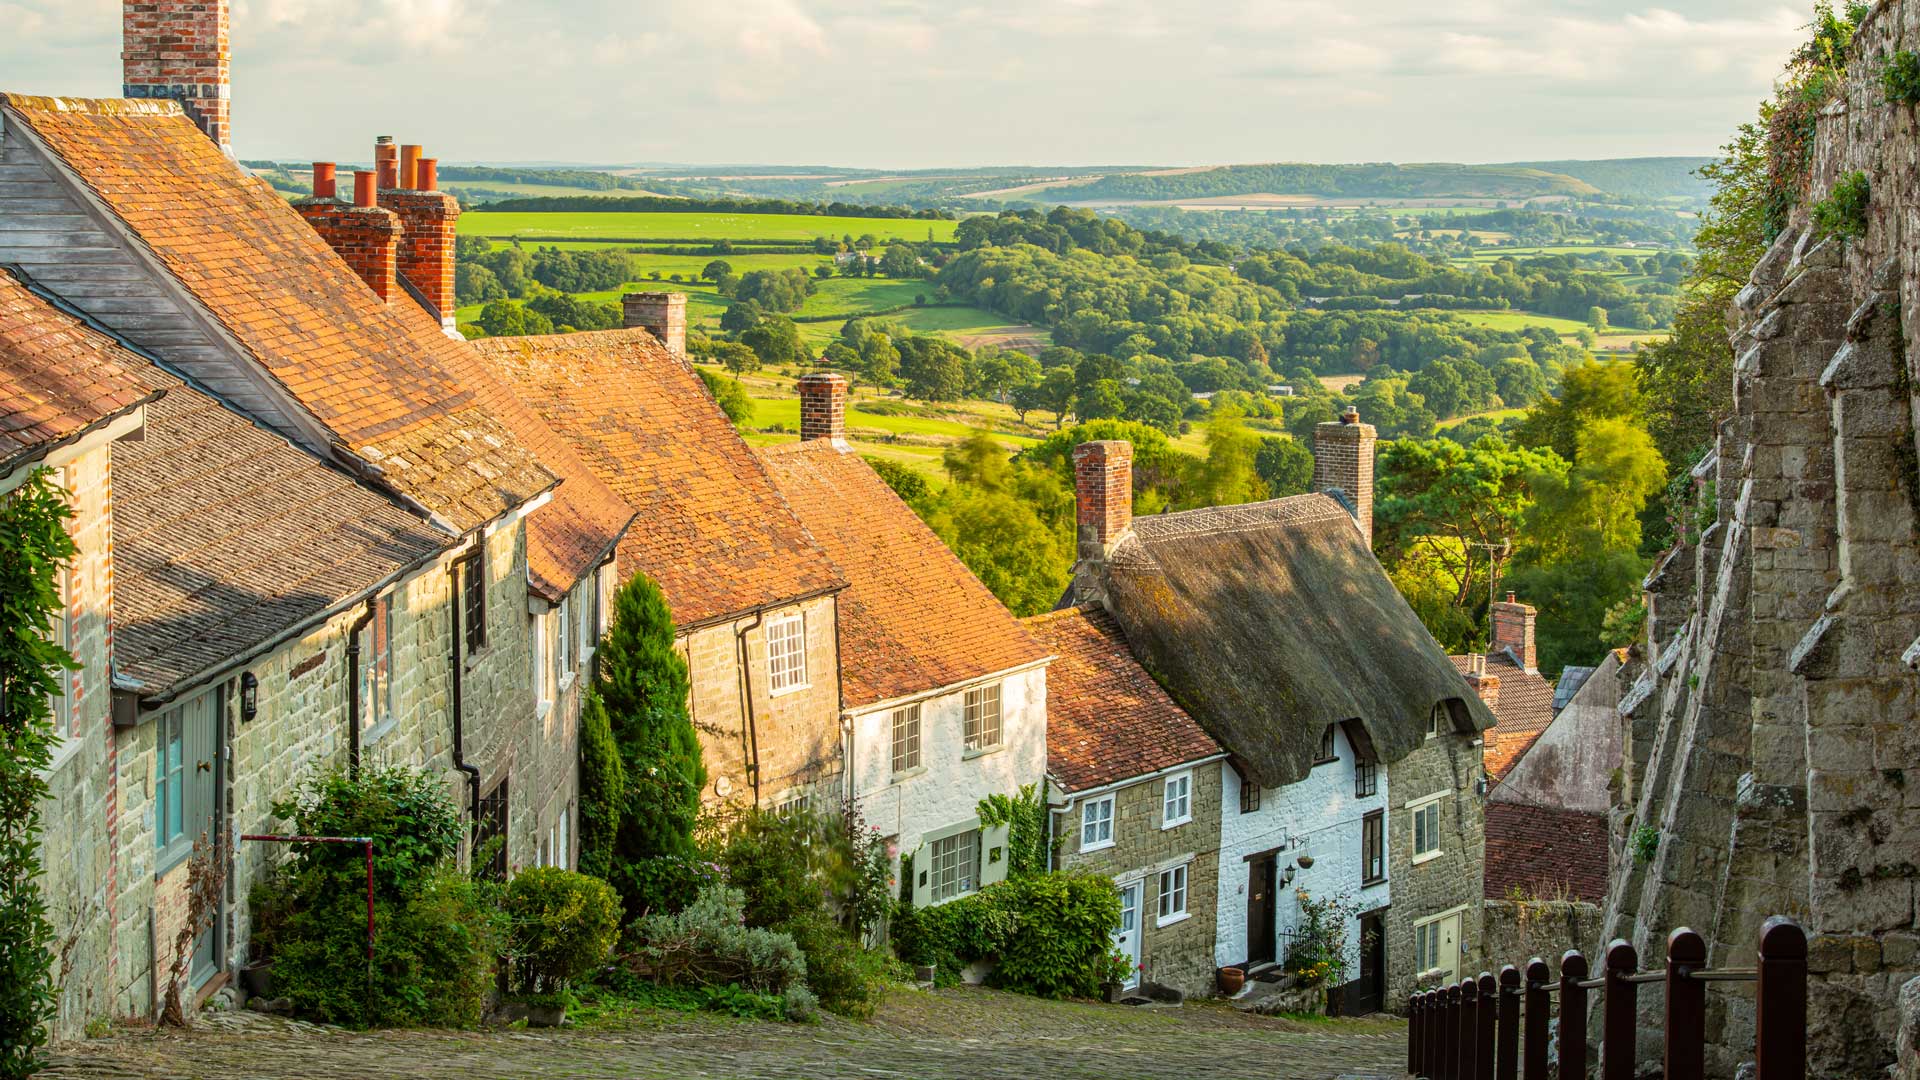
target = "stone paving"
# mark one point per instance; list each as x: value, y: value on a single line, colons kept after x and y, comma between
x: 961, y: 1033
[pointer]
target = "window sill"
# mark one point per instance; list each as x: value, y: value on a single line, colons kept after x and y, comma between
x: 1176, y: 823
x: 567, y: 679
x: 541, y: 713
x: 169, y: 858
x: 63, y: 751
x: 785, y: 690
x: 1101, y: 846
x: 1370, y: 884
x: 378, y: 731
x: 904, y: 775
x: 1165, y: 921
x: 1427, y: 856
x: 981, y: 751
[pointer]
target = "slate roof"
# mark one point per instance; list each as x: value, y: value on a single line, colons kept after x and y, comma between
x: 712, y: 529
x: 1544, y: 851
x: 913, y: 617
x: 58, y: 377
x: 1522, y: 712
x: 1572, y: 678
x: 383, y: 378
x: 1107, y: 720
x: 1271, y: 620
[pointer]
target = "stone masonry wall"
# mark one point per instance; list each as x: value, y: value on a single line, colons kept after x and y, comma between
x: 1179, y: 954
x: 1769, y: 739
x: 1448, y: 762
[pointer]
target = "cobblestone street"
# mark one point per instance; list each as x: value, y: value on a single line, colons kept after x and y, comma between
x: 962, y: 1033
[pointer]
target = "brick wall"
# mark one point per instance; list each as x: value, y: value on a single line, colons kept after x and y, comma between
x: 1103, y: 494
x: 823, y: 407
x: 367, y: 237
x: 665, y: 314
x: 178, y: 49
x: 425, y: 256
x: 1343, y: 458
x: 1448, y: 763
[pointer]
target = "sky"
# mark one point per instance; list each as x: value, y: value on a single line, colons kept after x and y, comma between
x: 936, y: 83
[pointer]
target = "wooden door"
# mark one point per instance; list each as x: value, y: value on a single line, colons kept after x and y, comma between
x: 1261, y: 907
x: 1368, y: 990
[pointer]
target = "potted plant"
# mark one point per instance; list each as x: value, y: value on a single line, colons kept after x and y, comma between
x: 561, y: 926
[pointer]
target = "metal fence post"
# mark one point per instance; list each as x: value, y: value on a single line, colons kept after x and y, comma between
x: 1780, y: 1021
x: 1686, y: 1006
x: 1509, y: 1037
x: 1534, y: 1067
x: 1573, y: 1016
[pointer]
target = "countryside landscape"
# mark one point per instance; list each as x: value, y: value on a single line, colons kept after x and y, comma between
x: 1065, y: 538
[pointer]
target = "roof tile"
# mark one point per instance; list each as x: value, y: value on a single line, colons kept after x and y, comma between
x: 1545, y: 852
x: 57, y: 377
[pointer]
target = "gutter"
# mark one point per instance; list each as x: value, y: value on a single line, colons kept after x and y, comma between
x: 1079, y: 796
x: 682, y: 629
x: 745, y: 682
x: 456, y: 668
x: 353, y: 688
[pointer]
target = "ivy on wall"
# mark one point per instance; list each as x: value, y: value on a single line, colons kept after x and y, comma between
x: 34, y: 546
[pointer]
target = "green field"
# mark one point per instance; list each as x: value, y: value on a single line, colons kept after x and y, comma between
x: 737, y: 227
x: 1617, y: 339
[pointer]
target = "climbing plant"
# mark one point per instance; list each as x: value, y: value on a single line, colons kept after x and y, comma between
x: 1025, y: 816
x: 34, y: 546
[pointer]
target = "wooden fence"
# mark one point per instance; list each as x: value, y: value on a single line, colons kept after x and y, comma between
x: 1498, y: 1029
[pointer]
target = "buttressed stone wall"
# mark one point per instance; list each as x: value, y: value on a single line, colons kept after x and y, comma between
x: 1771, y: 738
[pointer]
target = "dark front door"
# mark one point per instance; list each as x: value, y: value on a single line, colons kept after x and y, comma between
x: 1368, y: 991
x: 1260, y: 910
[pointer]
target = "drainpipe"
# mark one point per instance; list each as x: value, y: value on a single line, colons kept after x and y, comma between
x: 456, y: 666
x: 353, y: 688
x: 746, y: 699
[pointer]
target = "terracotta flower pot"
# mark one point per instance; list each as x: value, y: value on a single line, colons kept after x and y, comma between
x: 1231, y: 980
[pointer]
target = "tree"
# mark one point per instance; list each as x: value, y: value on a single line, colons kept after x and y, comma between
x: 1056, y: 394
x: 740, y: 316
x: 934, y: 369
x: 737, y: 358
x: 879, y: 359
x: 731, y: 396
x: 1475, y: 498
x: 1284, y: 466
x: 901, y: 261
x: 1589, y: 392
x: 716, y: 270
x: 1227, y: 476
x: 1004, y: 542
x: 642, y: 682
x: 775, y: 339
x: 603, y: 783
x: 1597, y: 319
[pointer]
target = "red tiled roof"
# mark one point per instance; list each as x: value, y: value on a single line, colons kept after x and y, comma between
x: 1522, y: 712
x: 712, y: 528
x: 383, y: 378
x: 1545, y: 852
x: 913, y: 617
x: 1107, y: 719
x: 58, y: 377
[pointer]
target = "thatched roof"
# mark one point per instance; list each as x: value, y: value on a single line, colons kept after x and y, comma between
x: 1271, y: 620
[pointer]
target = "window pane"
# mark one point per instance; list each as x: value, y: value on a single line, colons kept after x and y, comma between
x: 906, y: 738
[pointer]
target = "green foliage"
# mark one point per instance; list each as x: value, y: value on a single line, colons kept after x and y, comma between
x: 709, y: 944
x: 1025, y: 816
x: 1285, y: 466
x: 642, y: 680
x: 1227, y: 476
x: 1646, y: 844
x: 731, y: 395
x: 1844, y: 211
x: 34, y: 547
x: 934, y: 369
x: 603, y: 783
x: 1050, y: 934
x: 438, y: 930
x: 616, y: 995
x: 1318, y: 950
x: 1900, y: 77
x: 911, y: 486
x: 562, y: 924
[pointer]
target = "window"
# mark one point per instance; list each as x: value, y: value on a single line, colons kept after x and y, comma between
x: 376, y: 668
x: 599, y: 626
x: 563, y: 855
x: 490, y: 835
x: 1373, y: 847
x: 955, y: 861
x: 1096, y: 823
x: 787, y: 653
x: 65, y: 723
x: 583, y: 618
x: 473, y: 584
x: 1426, y: 946
x: 1249, y: 795
x: 1177, y: 801
x: 1327, y: 752
x: 563, y: 642
x: 1433, y: 720
x: 540, y: 673
x: 1426, y: 830
x: 1173, y: 893
x: 982, y: 727
x: 170, y: 778
x: 1366, y: 777
x: 906, y: 738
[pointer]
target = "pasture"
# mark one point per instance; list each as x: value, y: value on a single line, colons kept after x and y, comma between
x: 740, y: 228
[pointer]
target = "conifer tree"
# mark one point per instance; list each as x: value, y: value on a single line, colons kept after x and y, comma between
x: 603, y: 784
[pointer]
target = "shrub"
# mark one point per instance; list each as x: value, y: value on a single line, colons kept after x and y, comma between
x: 1900, y: 78
x: 1318, y: 952
x: 845, y: 976
x: 1025, y: 815
x: 603, y: 783
x: 1844, y: 211
x: 710, y: 944
x: 1646, y: 844
x: 414, y: 826
x: 562, y: 925
x: 1051, y: 934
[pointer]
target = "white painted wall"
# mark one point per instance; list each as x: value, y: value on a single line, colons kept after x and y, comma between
x: 950, y: 783
x: 1321, y: 817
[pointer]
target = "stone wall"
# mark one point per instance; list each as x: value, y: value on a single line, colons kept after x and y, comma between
x: 1454, y: 881
x: 1180, y: 953
x: 1513, y: 932
x: 1769, y: 740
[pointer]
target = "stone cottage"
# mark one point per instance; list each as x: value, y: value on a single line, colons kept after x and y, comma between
x: 1278, y: 632
x: 1136, y: 797
x: 754, y: 598
x: 943, y: 694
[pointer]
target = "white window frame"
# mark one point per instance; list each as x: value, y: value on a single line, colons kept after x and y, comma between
x: 377, y: 716
x: 1176, y: 809
x: 964, y: 880
x: 543, y: 704
x: 1433, y: 720
x: 1417, y: 812
x: 563, y: 646
x: 563, y: 855
x: 1172, y: 905
x: 1096, y: 824
x: 1426, y: 946
x: 905, y: 748
x: 66, y: 722
x: 786, y: 640
x: 983, y: 714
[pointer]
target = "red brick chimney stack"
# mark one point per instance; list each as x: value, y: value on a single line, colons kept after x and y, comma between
x: 178, y: 50
x: 664, y: 313
x: 823, y: 408
x: 1484, y: 684
x: 363, y: 234
x: 1343, y: 460
x: 427, y: 218
x: 1103, y: 494
x: 1513, y: 631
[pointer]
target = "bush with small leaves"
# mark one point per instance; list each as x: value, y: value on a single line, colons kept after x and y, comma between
x: 561, y: 925
x: 1844, y: 211
x: 1900, y: 78
x: 710, y: 944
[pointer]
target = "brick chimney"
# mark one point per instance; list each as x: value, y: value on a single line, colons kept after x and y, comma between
x: 1103, y: 494
x: 664, y: 313
x: 362, y: 233
x: 823, y: 408
x: 1343, y: 460
x: 178, y: 50
x: 1513, y: 631
x: 427, y: 218
x: 1484, y: 684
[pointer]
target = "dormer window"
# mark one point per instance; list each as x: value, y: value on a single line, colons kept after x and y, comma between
x: 1327, y: 752
x: 1435, y: 718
